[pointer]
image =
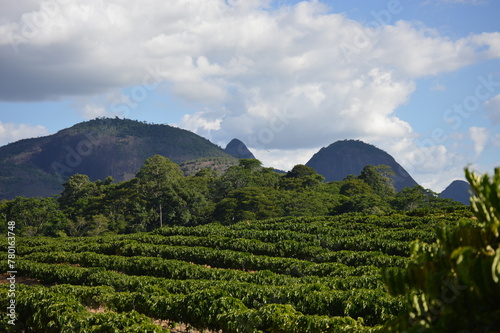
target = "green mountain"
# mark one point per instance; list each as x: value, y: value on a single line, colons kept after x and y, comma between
x: 349, y: 157
x: 98, y: 148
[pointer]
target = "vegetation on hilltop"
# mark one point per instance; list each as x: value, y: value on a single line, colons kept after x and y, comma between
x: 97, y: 148
x: 291, y: 253
x: 161, y: 194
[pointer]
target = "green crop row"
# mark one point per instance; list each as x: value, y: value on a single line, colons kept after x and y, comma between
x: 39, y: 309
x: 375, y: 306
x: 175, y: 269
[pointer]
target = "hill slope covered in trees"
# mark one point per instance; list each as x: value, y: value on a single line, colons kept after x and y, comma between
x: 98, y: 148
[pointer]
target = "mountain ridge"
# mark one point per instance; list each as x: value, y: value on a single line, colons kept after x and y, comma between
x: 118, y: 147
x: 98, y: 148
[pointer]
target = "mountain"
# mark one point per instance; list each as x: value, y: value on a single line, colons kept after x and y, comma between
x: 458, y: 190
x: 349, y: 157
x: 98, y: 148
x: 238, y: 149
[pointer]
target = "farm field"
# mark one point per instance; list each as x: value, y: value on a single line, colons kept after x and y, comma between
x: 315, y: 274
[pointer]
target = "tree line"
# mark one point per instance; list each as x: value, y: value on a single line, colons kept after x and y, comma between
x: 161, y: 194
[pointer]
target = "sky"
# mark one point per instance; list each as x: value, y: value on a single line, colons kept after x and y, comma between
x: 419, y: 79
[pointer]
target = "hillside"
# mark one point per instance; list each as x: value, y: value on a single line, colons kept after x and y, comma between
x: 458, y: 190
x: 219, y: 164
x: 349, y: 157
x: 98, y: 148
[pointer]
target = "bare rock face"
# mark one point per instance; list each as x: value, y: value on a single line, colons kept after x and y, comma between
x: 458, y: 190
x: 238, y: 149
x: 349, y: 157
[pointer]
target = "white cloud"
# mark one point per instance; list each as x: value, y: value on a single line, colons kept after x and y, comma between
x: 419, y: 51
x: 294, y: 77
x: 479, y: 135
x: 10, y: 132
x: 493, y: 108
x: 432, y: 166
x: 284, y: 159
x: 91, y: 111
x: 199, y: 122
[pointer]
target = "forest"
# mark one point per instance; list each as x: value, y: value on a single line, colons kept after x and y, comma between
x: 161, y: 194
x: 251, y: 250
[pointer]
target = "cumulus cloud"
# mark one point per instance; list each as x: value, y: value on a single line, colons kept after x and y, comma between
x: 293, y: 77
x: 91, y: 111
x: 419, y: 51
x: 200, y: 122
x: 493, y: 108
x: 283, y: 159
x: 479, y: 135
x: 10, y: 132
x: 432, y: 165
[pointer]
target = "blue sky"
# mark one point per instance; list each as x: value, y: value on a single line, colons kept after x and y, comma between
x: 417, y: 78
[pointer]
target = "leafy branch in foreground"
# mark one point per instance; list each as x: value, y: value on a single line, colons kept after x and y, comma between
x: 453, y: 284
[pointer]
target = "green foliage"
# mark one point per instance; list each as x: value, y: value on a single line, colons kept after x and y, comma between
x: 452, y: 285
x: 287, y: 274
x: 379, y: 179
x: 486, y: 202
x: 35, y: 216
x: 354, y: 186
x: 42, y: 310
x: 417, y: 198
x: 78, y: 188
x: 248, y: 173
x: 250, y: 164
x: 158, y: 183
x: 309, y: 203
x: 301, y: 177
x: 160, y: 194
x: 248, y: 203
x: 368, y: 203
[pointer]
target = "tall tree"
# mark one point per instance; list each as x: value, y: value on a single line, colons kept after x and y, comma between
x: 301, y: 177
x: 248, y: 203
x: 156, y: 178
x: 379, y: 179
x: 75, y: 200
x: 37, y: 216
x: 76, y: 187
x: 248, y: 173
x: 352, y: 185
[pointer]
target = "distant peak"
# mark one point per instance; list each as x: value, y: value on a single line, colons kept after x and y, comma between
x: 349, y: 157
x: 238, y: 149
x: 458, y: 190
